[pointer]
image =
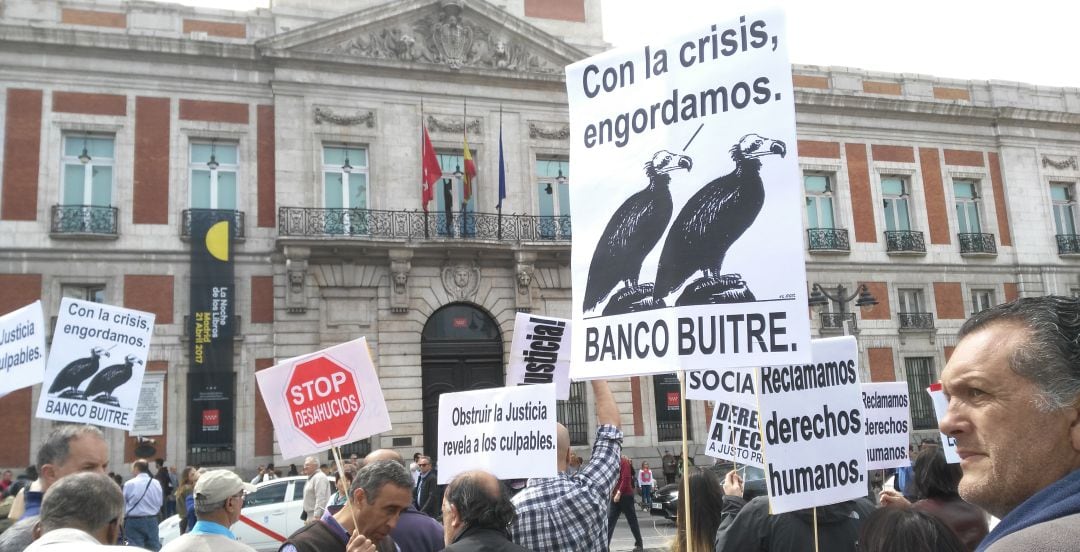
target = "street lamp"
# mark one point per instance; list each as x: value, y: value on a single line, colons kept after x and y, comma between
x: 820, y: 297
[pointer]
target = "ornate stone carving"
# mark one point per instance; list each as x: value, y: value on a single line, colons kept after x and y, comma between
x: 455, y: 126
x: 1067, y: 163
x: 523, y: 274
x: 326, y: 115
x: 549, y: 133
x: 461, y: 280
x: 296, y: 265
x: 400, y: 265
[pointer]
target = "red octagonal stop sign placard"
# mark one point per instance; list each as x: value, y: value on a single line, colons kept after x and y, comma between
x: 324, y: 399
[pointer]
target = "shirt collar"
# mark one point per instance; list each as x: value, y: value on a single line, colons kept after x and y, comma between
x: 206, y: 527
x: 335, y: 527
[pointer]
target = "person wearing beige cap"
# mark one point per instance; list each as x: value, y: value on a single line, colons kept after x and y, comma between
x: 219, y: 496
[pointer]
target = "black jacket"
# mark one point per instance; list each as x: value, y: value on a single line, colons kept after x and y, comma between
x: 430, y: 496
x: 750, y: 528
x: 483, y: 540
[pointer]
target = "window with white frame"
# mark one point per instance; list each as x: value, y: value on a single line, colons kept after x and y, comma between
x: 894, y: 193
x: 87, y: 170
x: 94, y: 293
x: 553, y: 196
x: 919, y: 372
x: 966, y: 195
x: 345, y: 187
x: 819, y: 201
x: 213, y: 168
x: 910, y: 300
x: 981, y: 299
x: 1062, y: 195
x: 454, y: 210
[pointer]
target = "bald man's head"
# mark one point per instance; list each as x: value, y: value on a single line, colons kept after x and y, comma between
x: 562, y: 446
x: 384, y: 454
x: 476, y: 499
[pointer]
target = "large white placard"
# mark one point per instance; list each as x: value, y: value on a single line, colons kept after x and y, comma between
x: 734, y: 433
x: 687, y: 203
x: 540, y: 353
x: 888, y: 424
x: 811, y: 421
x: 327, y: 398
x: 725, y: 384
x: 22, y: 348
x: 508, y: 431
x: 96, y: 364
x: 150, y: 412
x: 941, y: 405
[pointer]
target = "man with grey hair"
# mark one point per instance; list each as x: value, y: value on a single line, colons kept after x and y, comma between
x: 316, y: 492
x: 219, y: 498
x: 380, y: 492
x: 415, y: 531
x: 1013, y: 386
x: 83, y: 511
x: 478, y: 513
x: 68, y: 449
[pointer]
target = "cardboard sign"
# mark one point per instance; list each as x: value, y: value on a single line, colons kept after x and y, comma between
x: 725, y: 384
x: 540, y: 353
x: 331, y: 397
x: 150, y: 412
x: 22, y: 348
x: 96, y: 364
x: 687, y: 247
x: 887, y: 415
x: 508, y: 431
x: 941, y: 405
x: 734, y: 433
x: 811, y: 422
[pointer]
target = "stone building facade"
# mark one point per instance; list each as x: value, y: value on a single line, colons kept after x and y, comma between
x: 942, y: 196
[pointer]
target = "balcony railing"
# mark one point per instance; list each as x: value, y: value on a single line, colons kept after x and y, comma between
x: 904, y: 241
x: 828, y: 239
x: 84, y: 220
x: 835, y: 320
x: 187, y: 216
x: 977, y: 243
x: 1068, y: 244
x: 411, y: 225
x: 916, y: 320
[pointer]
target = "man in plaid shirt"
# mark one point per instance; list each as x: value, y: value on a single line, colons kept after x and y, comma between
x: 569, y: 512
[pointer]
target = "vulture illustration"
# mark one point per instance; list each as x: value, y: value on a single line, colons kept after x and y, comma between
x: 709, y: 223
x: 631, y: 234
x: 107, y: 380
x: 71, y: 376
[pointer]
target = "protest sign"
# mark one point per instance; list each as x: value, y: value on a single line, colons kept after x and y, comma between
x: 725, y: 384
x: 149, y: 414
x: 96, y: 364
x: 22, y: 348
x: 687, y: 246
x: 811, y: 421
x: 734, y: 434
x: 888, y: 424
x: 327, y: 398
x: 540, y: 353
x: 941, y: 405
x: 508, y: 431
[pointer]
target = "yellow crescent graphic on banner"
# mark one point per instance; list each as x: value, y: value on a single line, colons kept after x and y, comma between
x: 217, y: 241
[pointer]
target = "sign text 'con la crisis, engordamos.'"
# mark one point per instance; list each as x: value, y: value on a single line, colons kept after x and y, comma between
x: 693, y: 335
x: 318, y: 400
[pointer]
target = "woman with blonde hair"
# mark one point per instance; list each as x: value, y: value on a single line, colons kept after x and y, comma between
x: 187, y: 487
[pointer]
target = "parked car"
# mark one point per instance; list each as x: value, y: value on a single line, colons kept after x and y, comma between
x: 275, y: 506
x: 665, y: 501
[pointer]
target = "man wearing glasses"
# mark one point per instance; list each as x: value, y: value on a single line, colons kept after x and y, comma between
x: 80, y: 512
x: 219, y: 497
x: 426, y: 496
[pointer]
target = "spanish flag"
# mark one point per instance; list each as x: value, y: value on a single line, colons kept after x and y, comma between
x: 470, y: 171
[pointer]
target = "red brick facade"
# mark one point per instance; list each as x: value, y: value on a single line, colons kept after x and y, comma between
x: 93, y: 18
x: 964, y: 158
x: 937, y: 213
x: 22, y: 159
x: 215, y: 28
x: 812, y: 148
x: 881, y: 364
x: 949, y: 300
x: 896, y: 154
x: 862, y: 200
x: 151, y: 172
x: 810, y: 81
x: 19, y: 290
x: 264, y: 427
x: 999, y: 200
x: 151, y: 294
x: 564, y: 10
x: 880, y: 311
x: 262, y: 299
x: 266, y: 185
x: 214, y: 112
x: 90, y: 104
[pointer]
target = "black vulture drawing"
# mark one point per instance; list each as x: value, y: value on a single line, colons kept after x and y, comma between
x: 71, y: 376
x: 107, y: 380
x: 710, y: 222
x: 633, y: 231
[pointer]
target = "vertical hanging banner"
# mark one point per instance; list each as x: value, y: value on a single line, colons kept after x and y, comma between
x: 540, y: 353
x: 150, y: 412
x: 95, y: 369
x: 941, y: 405
x: 211, y: 418
x: 687, y: 203
x: 22, y: 348
x: 212, y: 284
x: 811, y: 422
x: 888, y: 424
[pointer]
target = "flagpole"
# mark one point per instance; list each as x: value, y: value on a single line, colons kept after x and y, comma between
x: 501, y: 172
x: 464, y: 141
x: 423, y: 151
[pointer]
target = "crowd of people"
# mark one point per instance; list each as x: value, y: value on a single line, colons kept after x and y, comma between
x: 1013, y: 387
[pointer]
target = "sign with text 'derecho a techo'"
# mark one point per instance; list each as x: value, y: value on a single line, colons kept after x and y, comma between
x: 324, y: 399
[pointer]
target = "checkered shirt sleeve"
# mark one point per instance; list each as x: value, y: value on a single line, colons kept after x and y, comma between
x: 570, y: 512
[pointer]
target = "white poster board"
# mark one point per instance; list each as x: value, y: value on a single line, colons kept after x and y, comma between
x: 941, y: 405
x: 508, y: 431
x: 887, y: 415
x: 687, y: 203
x: 150, y: 412
x: 96, y: 364
x: 724, y: 384
x: 22, y: 348
x: 324, y: 399
x: 735, y: 434
x: 540, y: 353
x: 811, y: 422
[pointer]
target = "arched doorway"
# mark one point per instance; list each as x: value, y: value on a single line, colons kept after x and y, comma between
x: 461, y: 349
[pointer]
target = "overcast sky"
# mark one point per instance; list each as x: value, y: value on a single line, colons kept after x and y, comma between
x: 1034, y: 41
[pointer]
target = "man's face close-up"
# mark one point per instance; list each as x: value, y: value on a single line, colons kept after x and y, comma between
x: 424, y: 465
x: 377, y: 519
x: 1009, y: 449
x: 309, y: 469
x: 86, y: 453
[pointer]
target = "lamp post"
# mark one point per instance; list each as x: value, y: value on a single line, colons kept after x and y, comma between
x: 820, y: 297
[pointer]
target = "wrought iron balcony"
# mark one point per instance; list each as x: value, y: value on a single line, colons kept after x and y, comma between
x: 412, y: 225
x: 211, y: 215
x: 828, y: 239
x: 904, y: 241
x: 977, y: 244
x: 916, y: 320
x: 834, y: 321
x: 1068, y: 244
x: 83, y: 221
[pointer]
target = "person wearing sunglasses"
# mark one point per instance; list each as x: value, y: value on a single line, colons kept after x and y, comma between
x: 80, y: 512
x: 219, y: 498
